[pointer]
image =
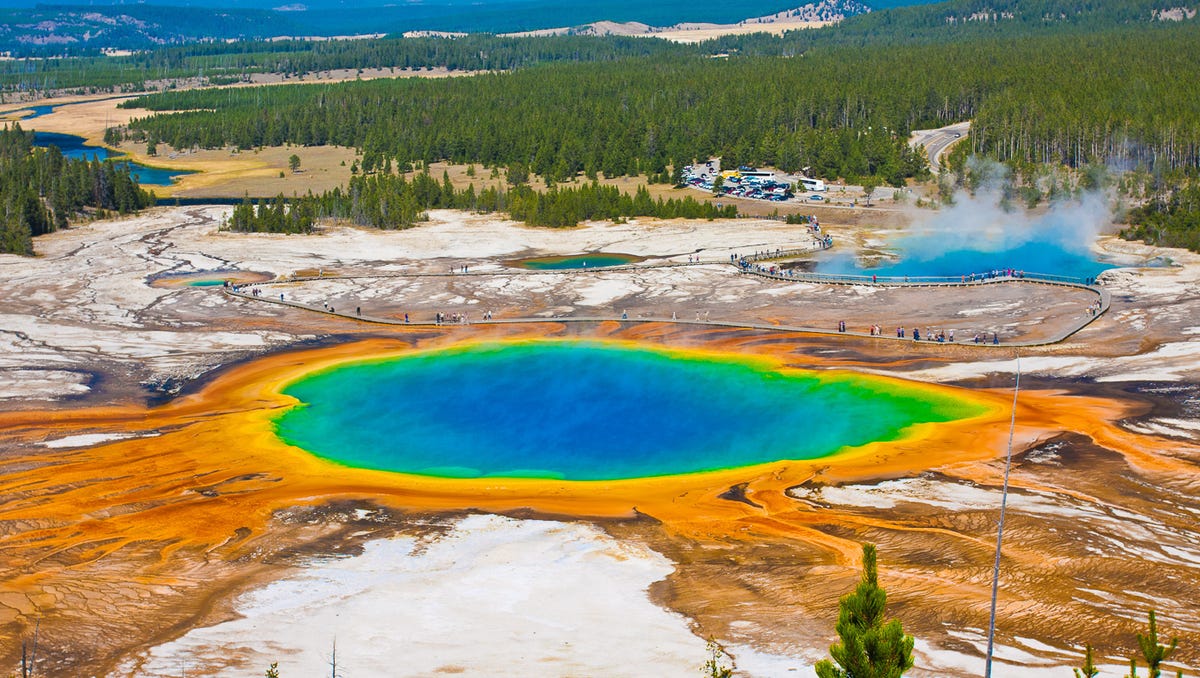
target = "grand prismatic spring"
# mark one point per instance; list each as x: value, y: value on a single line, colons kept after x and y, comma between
x: 739, y: 467
x: 583, y: 411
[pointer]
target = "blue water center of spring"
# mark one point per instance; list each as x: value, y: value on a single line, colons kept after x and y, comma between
x: 576, y: 261
x: 583, y: 411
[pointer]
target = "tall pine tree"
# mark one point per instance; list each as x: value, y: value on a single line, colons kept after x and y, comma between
x: 869, y: 647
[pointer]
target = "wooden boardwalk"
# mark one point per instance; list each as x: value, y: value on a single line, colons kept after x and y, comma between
x: 247, y: 292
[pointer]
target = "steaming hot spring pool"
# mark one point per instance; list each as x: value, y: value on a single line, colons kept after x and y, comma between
x: 977, y: 236
x: 592, y: 260
x: 214, y: 278
x: 592, y: 411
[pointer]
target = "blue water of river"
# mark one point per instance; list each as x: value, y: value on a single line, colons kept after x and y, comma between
x: 76, y: 147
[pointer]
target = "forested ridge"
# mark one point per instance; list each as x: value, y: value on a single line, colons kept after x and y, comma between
x: 41, y: 190
x: 841, y: 111
x: 620, y: 118
x: 224, y: 63
x: 964, y: 21
x: 1045, y: 83
x: 86, y: 29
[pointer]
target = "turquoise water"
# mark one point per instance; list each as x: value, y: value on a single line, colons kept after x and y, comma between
x: 211, y: 278
x: 978, y: 235
x: 76, y: 147
x: 921, y: 257
x: 590, y: 412
x: 577, y: 261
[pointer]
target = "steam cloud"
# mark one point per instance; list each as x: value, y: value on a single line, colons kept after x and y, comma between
x: 980, y: 233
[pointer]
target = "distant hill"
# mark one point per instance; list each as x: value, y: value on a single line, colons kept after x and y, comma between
x: 58, y: 30
x: 967, y: 20
x: 52, y: 30
x: 991, y: 17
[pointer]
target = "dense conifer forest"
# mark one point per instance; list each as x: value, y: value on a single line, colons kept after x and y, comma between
x: 41, y: 190
x: 1048, y: 83
x: 841, y: 111
x: 1171, y: 219
x: 392, y: 202
x: 222, y: 63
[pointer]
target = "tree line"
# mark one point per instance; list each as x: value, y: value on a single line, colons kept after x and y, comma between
x: 389, y: 201
x: 622, y: 118
x: 41, y: 190
x: 1169, y: 219
x: 219, y: 63
x: 843, y: 112
x: 960, y: 21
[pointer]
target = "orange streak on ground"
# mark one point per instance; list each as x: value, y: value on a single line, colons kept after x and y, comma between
x: 115, y: 494
x: 215, y: 477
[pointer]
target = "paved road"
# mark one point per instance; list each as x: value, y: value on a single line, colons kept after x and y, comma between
x: 936, y: 141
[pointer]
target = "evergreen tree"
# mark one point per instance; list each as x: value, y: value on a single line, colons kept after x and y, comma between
x: 869, y: 647
x: 1089, y: 669
x: 715, y: 666
x: 273, y: 670
x: 1152, y: 652
x: 869, y: 185
x: 40, y: 190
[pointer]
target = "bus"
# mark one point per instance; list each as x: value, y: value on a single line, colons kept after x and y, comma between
x: 813, y: 184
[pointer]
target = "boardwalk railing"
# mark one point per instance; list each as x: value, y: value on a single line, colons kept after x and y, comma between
x: 749, y: 264
x: 745, y: 264
x: 891, y: 281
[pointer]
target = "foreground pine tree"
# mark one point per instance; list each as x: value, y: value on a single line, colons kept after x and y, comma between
x: 1153, y: 653
x: 1089, y: 669
x: 869, y: 647
x: 715, y: 667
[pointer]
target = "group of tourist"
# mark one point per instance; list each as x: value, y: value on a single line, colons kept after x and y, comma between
x: 441, y: 318
x: 814, y: 228
x: 940, y: 336
x: 993, y: 274
x: 746, y: 263
x: 241, y: 289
